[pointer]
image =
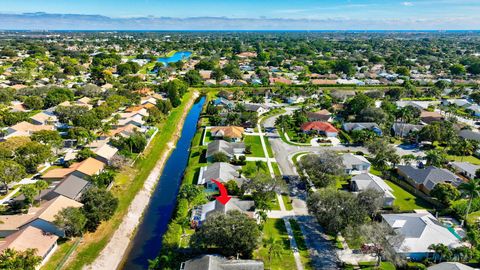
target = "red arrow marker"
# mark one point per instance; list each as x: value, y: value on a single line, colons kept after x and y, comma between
x: 223, y: 198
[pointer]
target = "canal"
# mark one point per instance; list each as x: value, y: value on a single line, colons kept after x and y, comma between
x: 147, y: 242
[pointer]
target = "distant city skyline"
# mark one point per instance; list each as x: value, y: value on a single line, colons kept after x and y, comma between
x: 247, y: 14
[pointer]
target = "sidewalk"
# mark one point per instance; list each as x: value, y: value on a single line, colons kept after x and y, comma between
x: 282, y: 213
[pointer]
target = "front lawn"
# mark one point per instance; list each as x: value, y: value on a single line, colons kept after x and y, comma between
x: 276, y: 169
x: 407, y: 201
x: 287, y: 202
x: 275, y: 228
x: 255, y: 146
x: 302, y: 246
x: 269, y: 147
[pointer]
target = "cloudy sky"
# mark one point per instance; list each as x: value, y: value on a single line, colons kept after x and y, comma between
x: 229, y: 14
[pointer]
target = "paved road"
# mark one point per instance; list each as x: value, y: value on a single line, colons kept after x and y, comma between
x: 322, y: 253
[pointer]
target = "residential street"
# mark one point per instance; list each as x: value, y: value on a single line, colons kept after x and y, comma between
x: 322, y: 252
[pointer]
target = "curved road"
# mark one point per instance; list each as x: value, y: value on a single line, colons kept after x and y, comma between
x: 322, y: 252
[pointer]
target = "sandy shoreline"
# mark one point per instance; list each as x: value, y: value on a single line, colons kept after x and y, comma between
x: 112, y: 255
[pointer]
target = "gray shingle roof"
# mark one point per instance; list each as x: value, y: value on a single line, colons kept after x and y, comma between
x: 349, y: 160
x: 72, y: 187
x: 403, y: 129
x: 223, y: 146
x: 430, y: 176
x: 220, y: 171
x: 359, y: 126
x: 469, y: 135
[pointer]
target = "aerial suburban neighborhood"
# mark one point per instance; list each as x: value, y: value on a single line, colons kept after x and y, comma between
x: 251, y: 150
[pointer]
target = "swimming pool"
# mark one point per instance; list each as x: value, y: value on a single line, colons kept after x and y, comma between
x: 178, y: 56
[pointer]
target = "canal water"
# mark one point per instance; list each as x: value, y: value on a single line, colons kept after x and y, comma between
x: 148, y: 241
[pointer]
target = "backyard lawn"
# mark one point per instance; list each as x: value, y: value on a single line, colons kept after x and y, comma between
x: 128, y: 182
x: 470, y: 159
x: 255, y: 144
x: 276, y: 228
x: 407, y: 201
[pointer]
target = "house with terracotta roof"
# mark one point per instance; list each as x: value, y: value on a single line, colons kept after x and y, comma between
x: 232, y: 133
x: 125, y: 131
x: 60, y: 173
x: 25, y: 129
x: 280, y: 80
x: 42, y: 217
x: 429, y: 117
x: 31, y: 237
x: 319, y: 127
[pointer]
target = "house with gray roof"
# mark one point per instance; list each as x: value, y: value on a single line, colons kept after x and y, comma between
x: 450, y: 266
x: 426, y: 179
x: 72, y: 187
x: 258, y: 108
x: 355, y: 164
x: 215, y: 262
x: 349, y: 127
x: 466, y: 169
x: 367, y: 181
x: 469, y: 135
x: 415, y: 232
x: 404, y: 129
x: 228, y: 148
x: 220, y: 171
x: 202, y: 212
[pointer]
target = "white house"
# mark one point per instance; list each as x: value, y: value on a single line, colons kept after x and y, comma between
x: 417, y: 232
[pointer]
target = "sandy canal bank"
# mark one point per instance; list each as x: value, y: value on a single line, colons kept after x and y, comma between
x: 111, y: 256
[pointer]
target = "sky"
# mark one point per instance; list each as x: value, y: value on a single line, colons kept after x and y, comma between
x: 345, y: 14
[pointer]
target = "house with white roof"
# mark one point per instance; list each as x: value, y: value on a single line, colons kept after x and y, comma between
x: 366, y: 181
x: 466, y: 169
x: 355, y: 164
x: 417, y: 231
x: 200, y: 213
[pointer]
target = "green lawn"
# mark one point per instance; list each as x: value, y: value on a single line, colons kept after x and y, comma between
x: 287, y: 202
x: 127, y: 184
x: 276, y: 228
x: 208, y: 137
x: 473, y: 217
x: 407, y: 201
x: 276, y: 169
x: 275, y: 205
x: 302, y: 247
x: 269, y: 147
x: 256, y: 146
x: 470, y: 159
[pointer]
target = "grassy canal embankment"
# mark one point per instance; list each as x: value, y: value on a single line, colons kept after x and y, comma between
x: 128, y: 182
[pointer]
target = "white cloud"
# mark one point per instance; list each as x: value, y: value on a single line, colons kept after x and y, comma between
x: 407, y: 4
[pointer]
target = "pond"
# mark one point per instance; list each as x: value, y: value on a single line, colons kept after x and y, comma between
x: 147, y: 243
x: 178, y: 56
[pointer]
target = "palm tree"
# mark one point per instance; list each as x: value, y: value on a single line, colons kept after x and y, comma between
x: 471, y: 189
x: 275, y: 248
x: 261, y: 166
x: 40, y: 185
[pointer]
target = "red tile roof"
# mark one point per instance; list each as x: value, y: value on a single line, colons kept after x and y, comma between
x: 317, y: 125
